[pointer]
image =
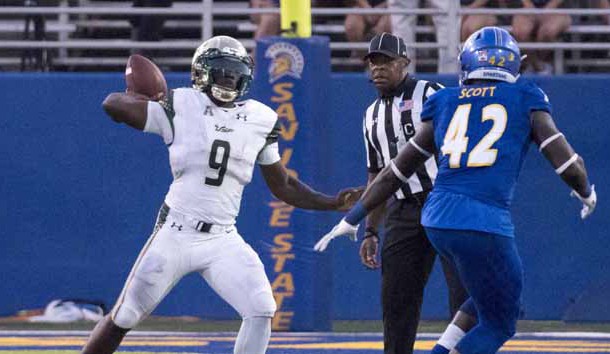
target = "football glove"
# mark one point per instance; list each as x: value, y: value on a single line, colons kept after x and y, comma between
x: 341, y: 229
x: 588, y: 203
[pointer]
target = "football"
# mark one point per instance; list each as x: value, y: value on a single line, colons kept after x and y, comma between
x: 144, y: 77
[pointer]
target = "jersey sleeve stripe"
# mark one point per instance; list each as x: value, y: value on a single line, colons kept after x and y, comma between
x: 273, y: 136
x: 430, y: 89
x: 372, y: 163
x: 168, y: 107
x: 375, y: 139
x: 435, y: 86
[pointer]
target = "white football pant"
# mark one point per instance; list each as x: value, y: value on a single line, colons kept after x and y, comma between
x: 226, y: 262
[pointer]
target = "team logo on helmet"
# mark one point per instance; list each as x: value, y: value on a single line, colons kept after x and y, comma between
x: 482, y: 55
x: 286, y: 60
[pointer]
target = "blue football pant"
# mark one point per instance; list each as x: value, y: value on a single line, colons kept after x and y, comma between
x: 490, y: 268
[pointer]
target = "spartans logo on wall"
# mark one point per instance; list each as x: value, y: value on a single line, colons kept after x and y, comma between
x: 286, y: 60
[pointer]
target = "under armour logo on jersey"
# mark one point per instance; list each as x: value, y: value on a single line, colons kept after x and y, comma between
x: 222, y: 129
x: 179, y: 227
x: 208, y: 111
x: 241, y: 116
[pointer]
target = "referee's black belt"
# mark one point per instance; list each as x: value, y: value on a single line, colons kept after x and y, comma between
x: 198, y: 225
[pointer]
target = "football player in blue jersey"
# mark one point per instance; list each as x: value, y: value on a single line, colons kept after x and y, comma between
x: 480, y: 132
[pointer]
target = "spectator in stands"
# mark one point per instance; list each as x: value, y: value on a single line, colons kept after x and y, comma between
x: 266, y: 24
x: 604, y: 4
x: 34, y: 29
x: 404, y: 26
x: 472, y: 23
x: 148, y: 28
x: 362, y: 28
x: 540, y: 28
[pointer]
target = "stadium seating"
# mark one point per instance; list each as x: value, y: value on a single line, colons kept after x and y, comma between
x: 186, y: 28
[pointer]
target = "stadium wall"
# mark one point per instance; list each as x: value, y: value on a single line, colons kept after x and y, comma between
x: 80, y: 195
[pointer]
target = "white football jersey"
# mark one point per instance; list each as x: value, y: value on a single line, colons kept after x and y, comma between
x: 212, y: 151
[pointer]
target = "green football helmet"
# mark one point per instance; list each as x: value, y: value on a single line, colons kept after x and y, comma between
x: 222, y: 67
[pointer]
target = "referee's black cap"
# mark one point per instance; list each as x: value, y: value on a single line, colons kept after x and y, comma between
x: 388, y: 44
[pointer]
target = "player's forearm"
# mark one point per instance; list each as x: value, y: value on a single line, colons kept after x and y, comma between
x: 380, y: 190
x: 130, y: 109
x: 558, y: 151
x: 576, y: 177
x: 112, y: 106
x: 300, y: 195
x: 374, y: 218
x: 567, y: 164
x: 417, y: 151
x: 376, y: 193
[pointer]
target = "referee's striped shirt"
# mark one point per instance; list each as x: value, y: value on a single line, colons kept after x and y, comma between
x: 390, y: 122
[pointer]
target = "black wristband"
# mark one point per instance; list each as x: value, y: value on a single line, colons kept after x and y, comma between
x: 370, y: 232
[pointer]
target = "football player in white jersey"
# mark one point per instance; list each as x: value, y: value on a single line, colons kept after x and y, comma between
x: 214, y: 142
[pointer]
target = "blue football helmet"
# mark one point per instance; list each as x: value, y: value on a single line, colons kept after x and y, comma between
x: 490, y: 53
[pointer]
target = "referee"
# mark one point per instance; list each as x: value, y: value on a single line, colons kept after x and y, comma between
x: 406, y: 256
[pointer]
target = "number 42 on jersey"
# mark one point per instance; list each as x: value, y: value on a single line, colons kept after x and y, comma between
x: 456, y: 139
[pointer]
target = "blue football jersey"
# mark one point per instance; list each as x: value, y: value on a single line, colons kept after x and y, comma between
x: 482, y: 133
